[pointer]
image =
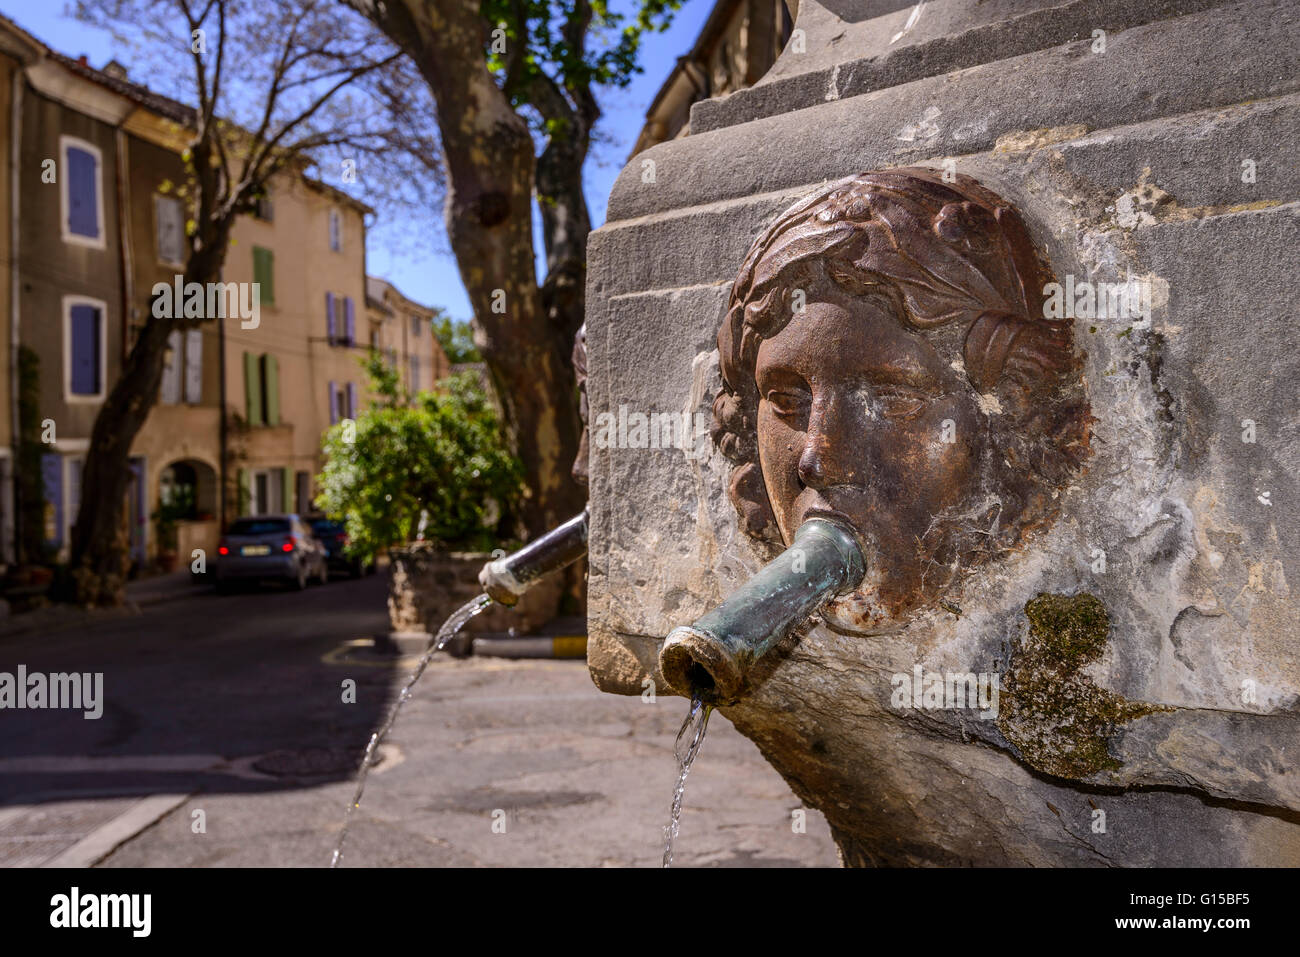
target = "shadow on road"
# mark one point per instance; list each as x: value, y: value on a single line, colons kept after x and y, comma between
x: 240, y: 693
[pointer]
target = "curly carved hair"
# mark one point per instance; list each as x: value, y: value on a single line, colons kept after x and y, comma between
x: 955, y: 262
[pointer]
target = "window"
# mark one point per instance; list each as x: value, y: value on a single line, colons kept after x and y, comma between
x: 415, y: 373
x: 170, y: 392
x: 72, y: 485
x: 169, y: 223
x: 374, y: 338
x: 262, y: 388
x: 266, y: 497
x: 302, y: 482
x: 194, y: 366
x: 340, y: 330
x: 84, y: 367
x: 342, y: 402
x: 259, y: 526
x: 184, y: 358
x: 264, y: 274
x: 82, y: 193
x: 265, y: 210
x: 61, y: 480
x: 336, y: 231
x: 417, y: 323
x: 52, y: 482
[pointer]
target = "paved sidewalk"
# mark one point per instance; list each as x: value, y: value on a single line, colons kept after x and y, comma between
x: 140, y: 594
x: 575, y: 778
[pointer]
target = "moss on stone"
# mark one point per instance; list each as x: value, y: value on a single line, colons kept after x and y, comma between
x: 1057, y: 718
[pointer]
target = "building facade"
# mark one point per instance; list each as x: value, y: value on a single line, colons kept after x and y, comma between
x: 738, y: 43
x: 95, y: 214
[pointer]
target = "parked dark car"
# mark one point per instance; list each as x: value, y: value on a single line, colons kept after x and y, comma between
x: 270, y: 546
x: 335, y: 539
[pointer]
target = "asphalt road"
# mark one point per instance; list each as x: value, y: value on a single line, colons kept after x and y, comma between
x: 234, y: 706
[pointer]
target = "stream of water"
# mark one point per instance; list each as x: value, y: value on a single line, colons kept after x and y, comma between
x: 698, y: 717
x: 458, y: 619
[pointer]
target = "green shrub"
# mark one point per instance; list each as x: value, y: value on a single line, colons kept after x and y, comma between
x: 443, y: 455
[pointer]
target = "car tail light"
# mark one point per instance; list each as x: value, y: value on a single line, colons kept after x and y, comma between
x: 288, y: 545
x: 223, y: 548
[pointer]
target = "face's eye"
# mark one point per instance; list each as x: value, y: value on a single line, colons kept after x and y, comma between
x: 789, y: 403
x: 901, y: 404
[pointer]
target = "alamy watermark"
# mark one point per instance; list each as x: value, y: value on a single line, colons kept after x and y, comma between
x: 951, y: 691
x: 685, y: 431
x: 1129, y: 300
x: 215, y: 300
x: 73, y: 690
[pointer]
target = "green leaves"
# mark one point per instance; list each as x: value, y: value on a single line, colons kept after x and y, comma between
x: 457, y: 340
x: 444, y: 455
x: 577, y: 44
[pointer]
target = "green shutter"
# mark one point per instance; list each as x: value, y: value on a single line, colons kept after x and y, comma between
x: 271, y: 381
x: 252, y: 389
x: 264, y: 273
x: 245, y: 497
x: 286, y: 490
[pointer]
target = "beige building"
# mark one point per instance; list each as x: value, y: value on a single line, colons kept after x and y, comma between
x: 298, y: 370
x: 88, y: 213
x: 244, y: 400
x: 401, y: 330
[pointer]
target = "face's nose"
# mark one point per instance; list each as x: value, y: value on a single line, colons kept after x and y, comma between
x: 823, y: 461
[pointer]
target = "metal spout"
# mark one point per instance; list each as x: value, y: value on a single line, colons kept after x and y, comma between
x: 711, y: 658
x: 505, y: 579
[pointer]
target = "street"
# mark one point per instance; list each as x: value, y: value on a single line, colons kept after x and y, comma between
x: 228, y: 738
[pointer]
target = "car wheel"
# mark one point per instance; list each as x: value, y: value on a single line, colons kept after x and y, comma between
x: 225, y: 586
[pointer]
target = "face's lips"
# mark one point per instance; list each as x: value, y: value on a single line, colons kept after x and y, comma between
x: 836, y: 503
x: 826, y: 513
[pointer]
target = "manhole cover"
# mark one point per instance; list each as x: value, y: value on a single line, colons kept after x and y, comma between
x: 313, y: 762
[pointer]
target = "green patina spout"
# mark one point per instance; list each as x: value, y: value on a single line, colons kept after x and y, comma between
x: 505, y: 579
x: 711, y: 658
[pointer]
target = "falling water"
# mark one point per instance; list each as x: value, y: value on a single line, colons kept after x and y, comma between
x: 698, y: 716
x: 450, y: 627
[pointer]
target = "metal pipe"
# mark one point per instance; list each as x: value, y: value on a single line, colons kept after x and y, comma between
x: 505, y: 579
x: 711, y: 658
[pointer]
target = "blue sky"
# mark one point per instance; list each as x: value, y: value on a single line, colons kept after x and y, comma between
x: 432, y: 277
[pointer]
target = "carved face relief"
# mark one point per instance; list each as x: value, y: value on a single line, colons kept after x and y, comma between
x: 852, y: 417
x: 885, y: 363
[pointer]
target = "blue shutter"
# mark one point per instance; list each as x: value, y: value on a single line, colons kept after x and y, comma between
x: 84, y: 351
x: 352, y: 400
x: 334, y: 404
x: 329, y: 315
x: 52, y: 475
x: 83, y: 208
x: 350, y: 321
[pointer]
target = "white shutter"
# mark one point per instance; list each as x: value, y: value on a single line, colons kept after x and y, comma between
x: 171, y: 379
x: 169, y: 218
x: 194, y: 366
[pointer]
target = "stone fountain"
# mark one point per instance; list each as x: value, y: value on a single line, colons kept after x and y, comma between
x: 1002, y: 291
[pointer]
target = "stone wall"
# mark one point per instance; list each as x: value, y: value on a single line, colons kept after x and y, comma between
x: 426, y: 585
x: 1138, y: 139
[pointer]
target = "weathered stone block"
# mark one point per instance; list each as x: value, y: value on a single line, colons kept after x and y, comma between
x: 1163, y: 737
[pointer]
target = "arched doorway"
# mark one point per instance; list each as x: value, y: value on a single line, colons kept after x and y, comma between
x: 185, y: 515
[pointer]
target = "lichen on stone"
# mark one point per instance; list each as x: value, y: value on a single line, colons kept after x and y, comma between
x: 1055, y: 716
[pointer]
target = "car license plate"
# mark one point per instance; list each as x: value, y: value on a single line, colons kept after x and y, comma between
x: 255, y: 550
